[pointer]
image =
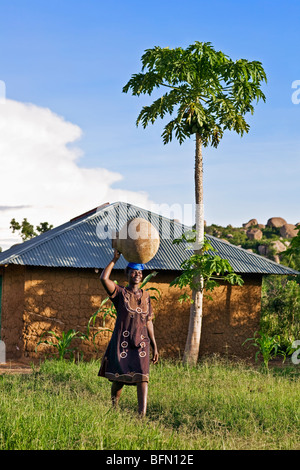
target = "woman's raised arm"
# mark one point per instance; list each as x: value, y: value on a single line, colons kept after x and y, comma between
x: 108, y: 284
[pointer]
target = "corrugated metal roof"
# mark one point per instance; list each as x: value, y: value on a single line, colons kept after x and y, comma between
x: 84, y: 242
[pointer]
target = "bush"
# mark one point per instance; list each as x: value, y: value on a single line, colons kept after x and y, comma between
x: 281, y: 309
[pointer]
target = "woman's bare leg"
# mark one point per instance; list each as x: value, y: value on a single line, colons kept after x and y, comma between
x: 116, y: 390
x: 142, y: 395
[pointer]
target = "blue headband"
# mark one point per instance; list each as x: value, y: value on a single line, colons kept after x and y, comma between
x: 136, y: 266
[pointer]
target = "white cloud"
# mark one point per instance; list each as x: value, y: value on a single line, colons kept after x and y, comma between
x: 40, y: 176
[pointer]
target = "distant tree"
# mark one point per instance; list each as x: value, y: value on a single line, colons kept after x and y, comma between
x: 26, y: 229
x: 208, y: 93
x: 43, y: 227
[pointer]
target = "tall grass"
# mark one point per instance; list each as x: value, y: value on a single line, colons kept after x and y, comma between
x: 216, y: 405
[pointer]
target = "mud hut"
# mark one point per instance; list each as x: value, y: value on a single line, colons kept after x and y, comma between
x: 51, y: 282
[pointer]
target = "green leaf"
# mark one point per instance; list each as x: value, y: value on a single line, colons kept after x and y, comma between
x: 148, y: 278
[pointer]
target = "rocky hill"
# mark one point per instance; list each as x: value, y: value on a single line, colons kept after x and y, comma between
x: 269, y: 240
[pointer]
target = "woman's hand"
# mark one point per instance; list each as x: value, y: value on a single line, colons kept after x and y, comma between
x: 152, y: 341
x: 117, y: 255
x: 155, y: 355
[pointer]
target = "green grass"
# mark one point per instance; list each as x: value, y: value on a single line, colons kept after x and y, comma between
x: 216, y: 405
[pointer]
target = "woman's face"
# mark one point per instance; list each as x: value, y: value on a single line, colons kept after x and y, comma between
x: 135, y: 276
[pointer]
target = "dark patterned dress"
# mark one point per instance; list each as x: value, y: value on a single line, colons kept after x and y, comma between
x: 127, y: 356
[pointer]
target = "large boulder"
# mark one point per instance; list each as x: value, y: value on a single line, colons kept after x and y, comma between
x: 289, y: 231
x: 273, y: 250
x: 250, y: 223
x: 276, y: 222
x: 278, y: 246
x: 254, y: 234
x: 262, y: 250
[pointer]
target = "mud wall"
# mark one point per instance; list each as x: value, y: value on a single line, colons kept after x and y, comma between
x: 60, y: 299
x: 231, y: 318
x: 36, y: 300
x: 13, y: 278
x: 228, y: 320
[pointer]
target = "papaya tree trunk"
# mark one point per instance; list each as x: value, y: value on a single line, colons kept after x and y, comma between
x: 191, y: 352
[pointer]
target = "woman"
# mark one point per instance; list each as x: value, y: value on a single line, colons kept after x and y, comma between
x: 126, y: 360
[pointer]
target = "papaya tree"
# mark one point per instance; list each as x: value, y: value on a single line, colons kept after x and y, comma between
x: 206, y: 94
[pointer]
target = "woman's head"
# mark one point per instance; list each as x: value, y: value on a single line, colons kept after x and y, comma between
x: 134, y: 276
x: 134, y: 273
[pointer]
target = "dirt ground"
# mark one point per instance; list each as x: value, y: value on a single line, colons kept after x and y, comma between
x: 15, y: 367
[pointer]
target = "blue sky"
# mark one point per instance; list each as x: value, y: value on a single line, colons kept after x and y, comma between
x: 74, y: 57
